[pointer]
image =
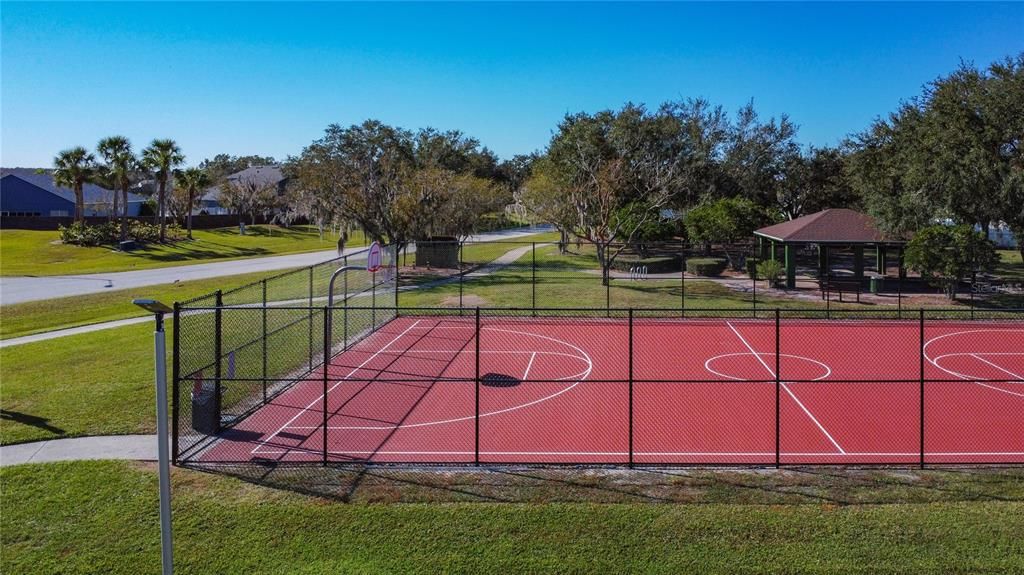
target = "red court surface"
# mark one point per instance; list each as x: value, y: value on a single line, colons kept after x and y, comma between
x: 703, y: 392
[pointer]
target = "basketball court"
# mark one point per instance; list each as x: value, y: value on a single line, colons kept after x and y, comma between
x: 426, y: 389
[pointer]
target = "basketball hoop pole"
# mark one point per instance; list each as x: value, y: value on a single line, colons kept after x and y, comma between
x: 163, y: 456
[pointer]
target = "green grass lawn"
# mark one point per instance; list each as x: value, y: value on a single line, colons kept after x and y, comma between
x: 40, y: 253
x: 1010, y: 265
x: 90, y: 384
x: 100, y: 517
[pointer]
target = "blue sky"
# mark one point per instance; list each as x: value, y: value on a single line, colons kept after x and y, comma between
x: 267, y: 78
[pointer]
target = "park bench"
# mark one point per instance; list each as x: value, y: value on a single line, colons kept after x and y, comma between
x: 831, y: 284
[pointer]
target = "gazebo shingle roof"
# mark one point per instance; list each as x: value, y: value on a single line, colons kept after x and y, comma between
x: 827, y: 226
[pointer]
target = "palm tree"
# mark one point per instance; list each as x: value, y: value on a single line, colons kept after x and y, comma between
x: 120, y: 166
x: 161, y: 157
x: 73, y: 169
x: 192, y: 181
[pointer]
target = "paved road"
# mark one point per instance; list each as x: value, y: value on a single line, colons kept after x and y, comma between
x: 23, y: 289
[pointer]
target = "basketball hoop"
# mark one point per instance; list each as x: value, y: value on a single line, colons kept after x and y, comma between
x: 373, y: 258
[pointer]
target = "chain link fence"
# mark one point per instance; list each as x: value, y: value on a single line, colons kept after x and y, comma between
x: 673, y: 275
x: 525, y: 352
x: 610, y: 387
x: 236, y: 350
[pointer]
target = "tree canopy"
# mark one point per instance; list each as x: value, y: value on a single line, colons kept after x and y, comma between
x: 952, y: 153
x: 395, y: 184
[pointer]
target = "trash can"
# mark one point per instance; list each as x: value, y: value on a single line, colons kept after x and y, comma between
x: 205, y: 408
x: 876, y: 285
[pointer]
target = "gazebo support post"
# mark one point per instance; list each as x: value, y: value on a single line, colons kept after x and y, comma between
x: 790, y: 266
x: 858, y: 262
x: 880, y: 259
x: 822, y: 261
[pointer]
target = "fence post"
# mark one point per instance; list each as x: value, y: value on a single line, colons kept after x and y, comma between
x: 682, y: 280
x: 778, y: 387
x: 175, y: 376
x: 533, y: 279
x: 921, y: 359
x: 828, y: 282
x: 828, y: 298
x: 327, y: 365
x: 344, y: 321
x: 461, y: 273
x: 607, y: 273
x: 753, y: 286
x: 631, y: 387
x: 310, y: 318
x: 217, y: 343
x: 395, y: 261
x: 974, y: 281
x: 899, y: 293
x: 476, y: 385
x: 264, y: 282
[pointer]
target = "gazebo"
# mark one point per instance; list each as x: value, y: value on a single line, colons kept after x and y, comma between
x: 828, y: 230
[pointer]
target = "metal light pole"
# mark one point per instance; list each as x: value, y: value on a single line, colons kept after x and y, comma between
x: 163, y: 453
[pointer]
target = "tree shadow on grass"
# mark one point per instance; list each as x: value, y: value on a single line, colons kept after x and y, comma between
x: 197, y: 253
x: 30, y: 420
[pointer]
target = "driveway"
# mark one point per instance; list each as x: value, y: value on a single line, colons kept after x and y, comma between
x: 23, y: 289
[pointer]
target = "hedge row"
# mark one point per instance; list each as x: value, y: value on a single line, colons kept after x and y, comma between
x: 706, y: 266
x: 655, y: 265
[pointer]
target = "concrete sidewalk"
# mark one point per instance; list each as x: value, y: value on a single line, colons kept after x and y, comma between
x: 23, y: 289
x: 133, y: 447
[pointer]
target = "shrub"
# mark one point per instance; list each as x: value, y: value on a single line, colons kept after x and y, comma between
x: 769, y: 270
x: 143, y: 232
x: 706, y: 266
x: 944, y: 255
x: 81, y: 234
x: 109, y: 233
x: 751, y: 265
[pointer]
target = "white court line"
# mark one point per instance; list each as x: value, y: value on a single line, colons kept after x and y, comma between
x: 849, y: 454
x: 1006, y: 371
x: 575, y: 379
x: 972, y: 379
x: 784, y: 386
x: 327, y: 365
x: 529, y: 365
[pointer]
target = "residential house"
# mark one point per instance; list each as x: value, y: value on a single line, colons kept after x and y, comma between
x: 32, y: 192
x: 210, y: 202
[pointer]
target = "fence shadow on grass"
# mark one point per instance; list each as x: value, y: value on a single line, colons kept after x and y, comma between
x: 538, y: 484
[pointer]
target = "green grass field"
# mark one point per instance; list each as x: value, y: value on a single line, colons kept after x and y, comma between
x: 90, y: 384
x: 1010, y: 265
x: 40, y: 253
x: 100, y: 517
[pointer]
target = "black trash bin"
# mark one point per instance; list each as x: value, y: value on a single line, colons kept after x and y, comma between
x: 205, y: 408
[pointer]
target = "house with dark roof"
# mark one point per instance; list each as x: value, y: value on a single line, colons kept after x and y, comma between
x: 32, y: 192
x: 260, y: 176
x: 828, y: 230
